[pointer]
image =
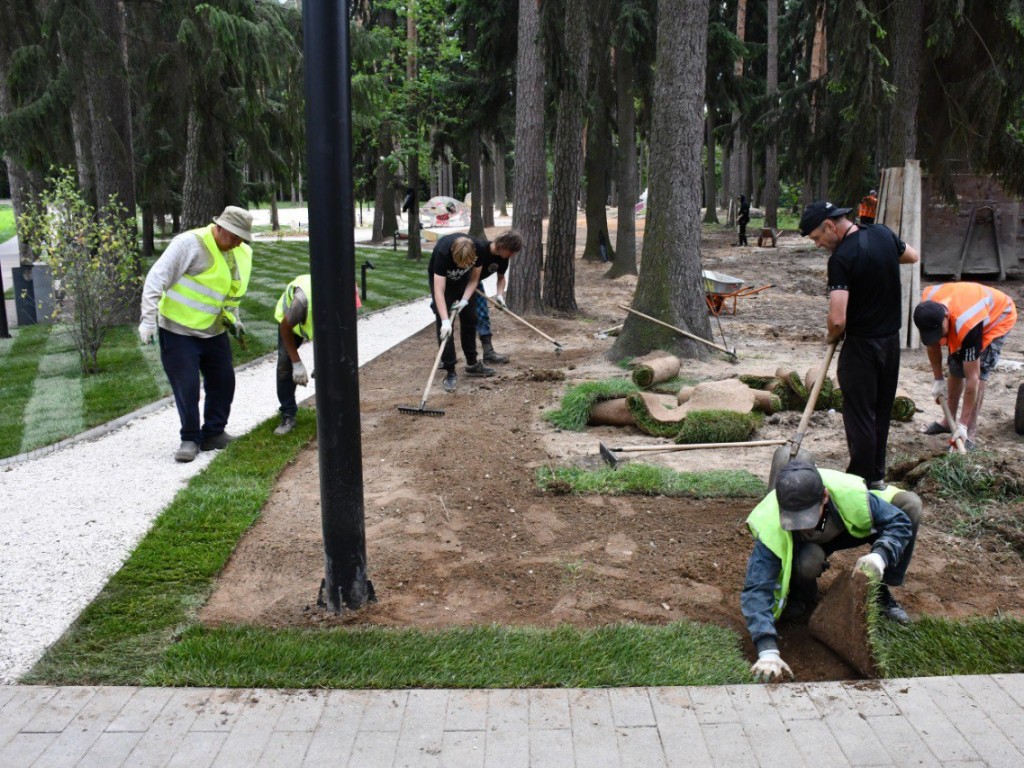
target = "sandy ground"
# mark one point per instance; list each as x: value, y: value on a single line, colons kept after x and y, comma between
x: 458, y: 533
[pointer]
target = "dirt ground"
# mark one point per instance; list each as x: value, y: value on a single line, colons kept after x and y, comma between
x: 458, y: 532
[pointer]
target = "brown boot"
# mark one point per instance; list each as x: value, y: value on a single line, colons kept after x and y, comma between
x: 490, y: 356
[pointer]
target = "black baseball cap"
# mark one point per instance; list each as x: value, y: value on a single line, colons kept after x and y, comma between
x: 799, y: 491
x: 928, y: 317
x: 816, y: 213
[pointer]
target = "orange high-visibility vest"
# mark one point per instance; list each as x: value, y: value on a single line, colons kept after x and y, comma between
x: 868, y: 207
x: 969, y: 304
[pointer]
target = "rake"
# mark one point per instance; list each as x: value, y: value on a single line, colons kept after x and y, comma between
x: 422, y: 410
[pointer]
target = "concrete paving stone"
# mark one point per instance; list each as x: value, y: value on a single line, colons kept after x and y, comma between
x: 6, y: 694
x: 285, y: 749
x: 902, y: 742
x: 998, y: 704
x: 384, y: 711
x: 968, y: 717
x: 141, y: 709
x: 870, y: 698
x: 549, y: 708
x: 508, y: 710
x: 465, y: 749
x: 590, y: 707
x: 507, y: 748
x: 422, y: 734
x: 631, y: 707
x: 20, y: 709
x: 728, y: 746
x: 92, y: 719
x: 595, y: 746
x: 61, y: 709
x: 816, y: 744
x: 302, y: 710
x: 197, y: 749
x: 160, y: 741
x: 373, y: 749
x: 466, y: 711
x: 220, y: 709
x: 917, y: 707
x: 712, y: 705
x: 765, y: 731
x: 550, y: 748
x: 639, y: 747
x: 335, y: 735
x: 1013, y: 685
x: 252, y: 730
x: 792, y: 702
x: 829, y: 698
x: 110, y: 749
x: 681, y: 736
x: 24, y: 748
x: 856, y: 739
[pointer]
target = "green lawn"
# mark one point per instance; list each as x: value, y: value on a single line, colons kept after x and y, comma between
x: 7, y: 229
x: 45, y: 398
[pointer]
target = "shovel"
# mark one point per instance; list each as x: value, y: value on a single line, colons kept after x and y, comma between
x: 608, y: 454
x: 960, y: 447
x: 786, y: 454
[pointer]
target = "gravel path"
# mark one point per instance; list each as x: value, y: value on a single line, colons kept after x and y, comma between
x: 72, y: 517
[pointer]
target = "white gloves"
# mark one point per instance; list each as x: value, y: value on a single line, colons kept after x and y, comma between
x: 147, y: 330
x: 872, y: 563
x: 299, y: 375
x: 499, y: 299
x: 960, y: 432
x: 446, y: 329
x: 239, y: 328
x: 458, y: 306
x: 938, y: 389
x: 770, y: 667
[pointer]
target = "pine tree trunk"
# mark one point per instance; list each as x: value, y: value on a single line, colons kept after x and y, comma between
x: 627, y: 167
x: 560, y: 266
x: 907, y: 45
x: 487, y: 201
x: 670, y: 286
x: 710, y: 187
x: 202, y: 193
x: 771, y: 150
x: 500, y: 171
x: 385, y: 221
x: 599, y: 156
x: 529, y: 188
x: 476, y: 219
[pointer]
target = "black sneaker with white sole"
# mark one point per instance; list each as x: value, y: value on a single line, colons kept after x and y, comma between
x: 479, y: 370
x: 451, y: 381
x: 287, y: 425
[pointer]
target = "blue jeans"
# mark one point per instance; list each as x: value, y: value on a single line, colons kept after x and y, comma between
x: 185, y: 359
x: 285, y: 384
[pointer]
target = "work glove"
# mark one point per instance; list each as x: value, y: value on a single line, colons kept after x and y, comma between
x: 458, y: 306
x: 770, y: 667
x: 499, y: 299
x: 299, y: 375
x: 938, y: 389
x: 147, y: 330
x: 872, y: 563
x: 446, y: 329
x: 239, y: 328
x: 959, y: 433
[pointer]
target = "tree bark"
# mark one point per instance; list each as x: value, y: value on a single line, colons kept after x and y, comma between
x: 599, y: 158
x: 500, y: 171
x: 670, y: 286
x: 907, y: 51
x: 202, y: 194
x: 476, y: 219
x: 487, y: 194
x: 529, y: 188
x: 627, y: 167
x: 385, y: 221
x: 560, y: 266
x: 710, y: 184
x: 771, y: 150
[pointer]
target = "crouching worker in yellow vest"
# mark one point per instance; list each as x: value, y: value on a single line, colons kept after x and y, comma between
x: 811, y: 514
x: 191, y: 296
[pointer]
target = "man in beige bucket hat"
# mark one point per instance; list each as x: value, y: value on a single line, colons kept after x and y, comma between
x: 189, y: 300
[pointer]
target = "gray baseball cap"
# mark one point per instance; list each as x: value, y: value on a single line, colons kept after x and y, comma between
x: 799, y: 491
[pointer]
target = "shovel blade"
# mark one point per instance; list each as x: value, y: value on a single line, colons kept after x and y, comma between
x: 781, y: 458
x: 606, y: 453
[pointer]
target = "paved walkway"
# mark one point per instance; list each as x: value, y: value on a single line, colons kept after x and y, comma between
x: 942, y: 721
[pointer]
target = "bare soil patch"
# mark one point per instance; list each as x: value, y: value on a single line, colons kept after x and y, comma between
x: 458, y: 533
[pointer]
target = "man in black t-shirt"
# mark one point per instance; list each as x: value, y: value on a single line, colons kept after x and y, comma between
x: 494, y: 262
x: 864, y: 306
x: 453, y: 274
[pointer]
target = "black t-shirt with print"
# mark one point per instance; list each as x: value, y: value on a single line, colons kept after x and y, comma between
x: 443, y: 263
x: 867, y: 264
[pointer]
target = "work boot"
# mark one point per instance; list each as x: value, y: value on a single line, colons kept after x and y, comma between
x: 451, y: 381
x: 216, y: 442
x: 877, y: 485
x: 890, y: 609
x: 187, y: 451
x: 479, y: 370
x: 286, y: 426
x: 490, y: 356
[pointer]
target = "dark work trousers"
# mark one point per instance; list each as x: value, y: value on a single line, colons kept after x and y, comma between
x: 285, y: 384
x: 467, y: 325
x: 868, y: 372
x: 185, y: 358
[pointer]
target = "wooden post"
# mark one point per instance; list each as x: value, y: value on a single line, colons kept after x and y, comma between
x: 910, y: 232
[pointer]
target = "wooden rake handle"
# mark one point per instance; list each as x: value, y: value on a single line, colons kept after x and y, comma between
x: 960, y: 447
x: 508, y: 311
x: 687, y: 334
x: 812, y: 400
x: 433, y: 370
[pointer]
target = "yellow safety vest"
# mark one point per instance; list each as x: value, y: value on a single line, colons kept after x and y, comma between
x: 849, y: 495
x: 303, y: 282
x: 196, y: 301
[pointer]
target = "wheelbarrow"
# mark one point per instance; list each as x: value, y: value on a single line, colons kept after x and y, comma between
x: 720, y: 287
